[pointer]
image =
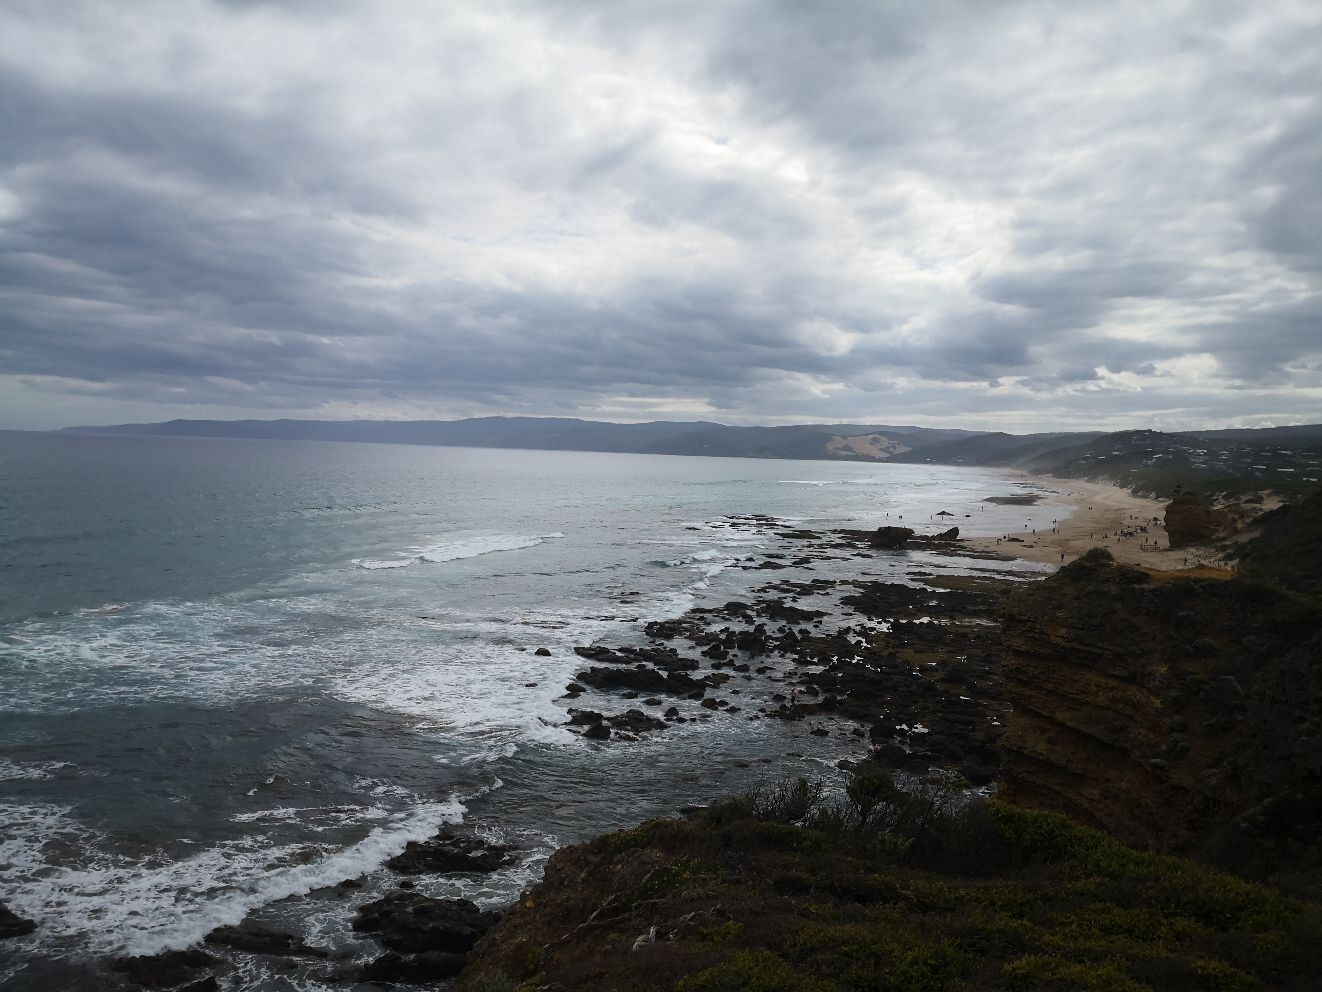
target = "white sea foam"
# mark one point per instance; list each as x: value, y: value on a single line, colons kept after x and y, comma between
x: 112, y: 904
x: 218, y: 650
x: 31, y: 771
x: 459, y: 546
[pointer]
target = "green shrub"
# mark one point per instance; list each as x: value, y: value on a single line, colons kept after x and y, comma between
x: 1040, y: 973
x: 754, y: 971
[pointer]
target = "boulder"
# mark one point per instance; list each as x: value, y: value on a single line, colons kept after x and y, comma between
x: 640, y: 679
x: 413, y: 924
x: 414, y: 969
x: 636, y: 721
x: 891, y: 537
x: 13, y: 925
x: 259, y: 940
x: 450, y: 852
x: 164, y: 971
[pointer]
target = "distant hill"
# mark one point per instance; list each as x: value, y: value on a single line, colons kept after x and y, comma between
x: 1285, y: 459
x: 839, y: 442
x: 1216, y: 461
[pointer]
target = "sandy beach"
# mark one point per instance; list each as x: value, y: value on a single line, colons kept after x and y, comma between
x: 1098, y: 514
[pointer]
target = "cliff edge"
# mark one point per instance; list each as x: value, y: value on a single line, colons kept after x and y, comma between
x: 1179, y: 714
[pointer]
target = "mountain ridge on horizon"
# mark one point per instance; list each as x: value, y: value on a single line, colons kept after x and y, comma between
x: 1224, y: 460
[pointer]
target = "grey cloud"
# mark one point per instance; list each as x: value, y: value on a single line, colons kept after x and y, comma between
x: 837, y: 210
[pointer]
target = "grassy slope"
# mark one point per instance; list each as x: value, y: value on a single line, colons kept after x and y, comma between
x: 989, y: 897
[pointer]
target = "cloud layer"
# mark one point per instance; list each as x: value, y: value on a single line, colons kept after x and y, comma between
x: 1025, y: 215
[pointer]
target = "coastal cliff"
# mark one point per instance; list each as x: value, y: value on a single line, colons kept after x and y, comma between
x: 1177, y: 713
x: 1163, y: 714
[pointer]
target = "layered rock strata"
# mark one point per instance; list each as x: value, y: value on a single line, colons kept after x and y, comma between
x: 1173, y: 713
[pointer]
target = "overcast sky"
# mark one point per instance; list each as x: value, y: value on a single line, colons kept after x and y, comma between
x: 989, y: 215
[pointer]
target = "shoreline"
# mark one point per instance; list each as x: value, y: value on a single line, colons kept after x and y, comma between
x: 1096, y: 513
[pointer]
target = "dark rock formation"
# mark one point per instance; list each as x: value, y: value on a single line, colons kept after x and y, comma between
x: 259, y: 940
x: 1287, y: 550
x: 1179, y: 714
x: 165, y: 971
x: 1189, y: 521
x: 640, y: 679
x: 413, y: 969
x: 891, y: 538
x: 450, y: 852
x: 636, y: 722
x: 13, y: 925
x: 414, y: 924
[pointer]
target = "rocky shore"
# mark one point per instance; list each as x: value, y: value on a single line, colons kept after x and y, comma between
x: 1168, y: 712
x: 1173, y: 712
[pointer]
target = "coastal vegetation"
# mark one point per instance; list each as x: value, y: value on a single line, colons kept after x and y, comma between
x: 885, y: 889
x: 1161, y: 832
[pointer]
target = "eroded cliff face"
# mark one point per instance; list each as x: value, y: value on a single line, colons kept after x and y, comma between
x: 1174, y: 713
x: 1188, y: 520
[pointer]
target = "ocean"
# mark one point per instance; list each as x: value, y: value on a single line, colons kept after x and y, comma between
x: 236, y: 673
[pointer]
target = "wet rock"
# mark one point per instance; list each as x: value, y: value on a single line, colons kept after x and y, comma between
x: 596, y: 652
x: 414, y: 969
x: 640, y: 679
x: 13, y: 925
x: 450, y: 852
x: 584, y: 718
x: 636, y: 722
x: 258, y: 940
x: 664, y: 630
x: 891, y: 538
x: 415, y: 924
x: 598, y: 732
x: 542, y: 653
x: 164, y: 971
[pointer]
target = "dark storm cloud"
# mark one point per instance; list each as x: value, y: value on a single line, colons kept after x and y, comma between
x: 1046, y: 214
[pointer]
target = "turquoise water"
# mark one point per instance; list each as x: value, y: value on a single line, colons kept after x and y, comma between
x: 233, y: 673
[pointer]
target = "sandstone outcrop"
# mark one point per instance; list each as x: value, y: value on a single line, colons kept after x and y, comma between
x: 1177, y: 714
x: 1190, y: 521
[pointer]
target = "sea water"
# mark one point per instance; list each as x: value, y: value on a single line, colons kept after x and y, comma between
x: 234, y: 673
